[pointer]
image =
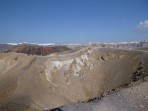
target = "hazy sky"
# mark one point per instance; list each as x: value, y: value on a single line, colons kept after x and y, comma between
x: 73, y: 21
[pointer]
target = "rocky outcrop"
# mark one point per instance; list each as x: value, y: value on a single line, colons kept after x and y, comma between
x: 38, y: 50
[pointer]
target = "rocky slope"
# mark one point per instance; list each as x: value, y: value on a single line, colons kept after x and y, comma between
x: 36, y: 83
x: 134, y: 98
x: 38, y: 50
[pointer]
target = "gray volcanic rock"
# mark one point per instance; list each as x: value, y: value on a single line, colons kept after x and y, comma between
x: 42, y: 83
x: 5, y: 47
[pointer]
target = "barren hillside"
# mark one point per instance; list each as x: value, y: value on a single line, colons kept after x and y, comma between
x: 37, y: 83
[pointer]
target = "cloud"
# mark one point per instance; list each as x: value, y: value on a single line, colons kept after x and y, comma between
x: 143, y: 25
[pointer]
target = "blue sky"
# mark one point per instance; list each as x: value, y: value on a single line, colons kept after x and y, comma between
x: 73, y: 21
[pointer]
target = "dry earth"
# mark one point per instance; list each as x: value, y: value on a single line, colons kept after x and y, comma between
x: 36, y: 83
